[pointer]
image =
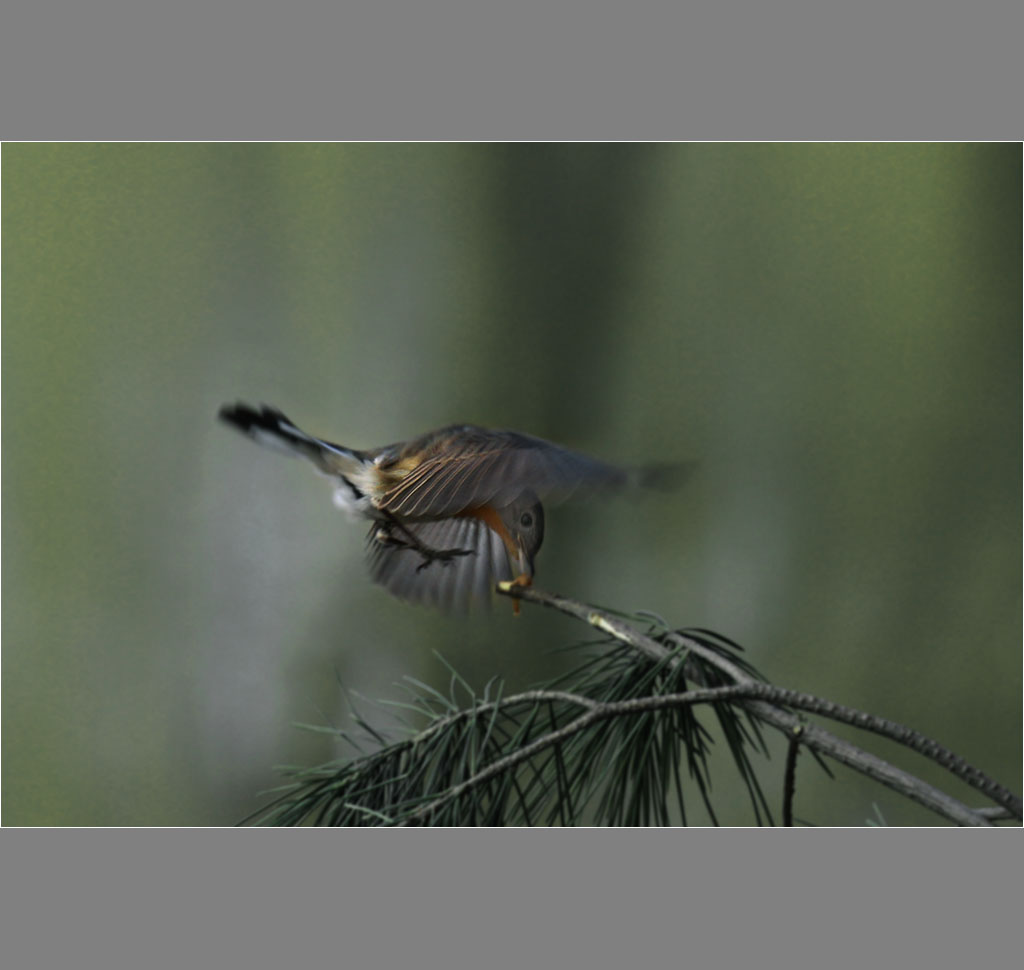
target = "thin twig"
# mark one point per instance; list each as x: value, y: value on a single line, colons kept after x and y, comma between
x: 789, y: 780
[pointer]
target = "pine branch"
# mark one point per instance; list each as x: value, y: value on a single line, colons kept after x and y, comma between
x: 610, y: 740
x: 814, y: 737
x: 594, y: 712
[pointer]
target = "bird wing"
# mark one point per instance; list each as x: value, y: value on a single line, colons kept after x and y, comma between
x: 466, y: 467
x: 452, y: 586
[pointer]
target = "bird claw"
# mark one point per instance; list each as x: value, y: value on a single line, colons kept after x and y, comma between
x: 408, y: 540
x: 443, y: 556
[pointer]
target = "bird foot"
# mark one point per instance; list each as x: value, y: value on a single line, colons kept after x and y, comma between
x: 444, y: 556
x: 407, y: 540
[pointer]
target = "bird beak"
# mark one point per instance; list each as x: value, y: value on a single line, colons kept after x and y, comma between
x: 524, y: 562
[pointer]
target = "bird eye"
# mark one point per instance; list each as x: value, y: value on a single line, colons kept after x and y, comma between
x: 526, y: 520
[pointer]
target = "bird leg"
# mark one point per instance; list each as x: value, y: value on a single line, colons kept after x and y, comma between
x: 409, y: 540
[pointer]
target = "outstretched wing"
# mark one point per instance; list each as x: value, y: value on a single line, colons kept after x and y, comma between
x: 465, y: 467
x: 454, y: 585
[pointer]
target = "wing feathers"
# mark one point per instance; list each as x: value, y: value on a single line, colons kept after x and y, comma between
x: 462, y: 470
x: 463, y: 582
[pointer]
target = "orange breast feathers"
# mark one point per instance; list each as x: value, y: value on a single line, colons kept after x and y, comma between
x: 488, y: 514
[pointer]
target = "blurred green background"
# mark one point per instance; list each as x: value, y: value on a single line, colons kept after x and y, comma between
x: 832, y: 331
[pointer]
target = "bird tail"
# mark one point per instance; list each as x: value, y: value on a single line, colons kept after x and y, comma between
x: 269, y: 427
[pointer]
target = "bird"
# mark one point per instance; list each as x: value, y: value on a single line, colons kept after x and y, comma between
x: 452, y: 512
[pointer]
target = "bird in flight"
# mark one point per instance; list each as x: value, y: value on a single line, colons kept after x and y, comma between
x: 452, y: 512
